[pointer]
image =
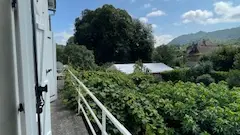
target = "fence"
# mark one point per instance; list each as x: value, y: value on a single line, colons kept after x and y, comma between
x: 105, y: 113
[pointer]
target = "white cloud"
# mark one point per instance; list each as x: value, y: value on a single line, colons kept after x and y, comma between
x: 154, y: 26
x: 143, y: 19
x: 162, y: 39
x: 62, y: 37
x: 148, y: 5
x: 156, y: 13
x: 225, y: 12
x: 198, y: 16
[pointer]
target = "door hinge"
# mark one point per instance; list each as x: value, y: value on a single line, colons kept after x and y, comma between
x: 39, y: 98
x: 20, y: 108
x: 14, y: 3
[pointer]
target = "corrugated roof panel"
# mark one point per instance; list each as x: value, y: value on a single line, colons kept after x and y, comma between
x: 153, y: 67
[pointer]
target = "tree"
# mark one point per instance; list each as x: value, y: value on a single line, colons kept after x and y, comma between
x: 205, y: 79
x: 79, y: 57
x: 234, y: 78
x: 223, y: 59
x: 71, y: 41
x: 59, y: 51
x: 165, y: 54
x: 113, y: 35
x: 140, y: 68
x: 237, y: 61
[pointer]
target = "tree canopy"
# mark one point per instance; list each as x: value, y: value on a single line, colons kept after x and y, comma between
x: 165, y: 53
x: 60, y: 52
x: 225, y: 58
x: 70, y: 41
x: 78, y: 56
x: 113, y: 35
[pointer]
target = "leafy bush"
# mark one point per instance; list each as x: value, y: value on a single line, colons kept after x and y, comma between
x: 219, y: 75
x: 237, y: 61
x: 141, y: 79
x: 205, y: 79
x: 165, y: 107
x: 79, y: 57
x: 234, y: 78
x: 188, y: 74
x: 223, y: 58
x: 202, y: 68
x: 175, y: 75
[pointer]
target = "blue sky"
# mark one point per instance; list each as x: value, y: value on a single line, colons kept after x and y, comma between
x: 169, y: 18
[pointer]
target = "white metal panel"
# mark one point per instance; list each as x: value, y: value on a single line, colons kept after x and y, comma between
x: 153, y: 67
x: 25, y: 65
x: 53, y: 76
x: 45, y: 60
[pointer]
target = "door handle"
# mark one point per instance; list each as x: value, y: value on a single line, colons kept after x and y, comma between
x: 48, y: 70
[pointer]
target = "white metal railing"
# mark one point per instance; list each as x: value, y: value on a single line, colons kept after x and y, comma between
x: 105, y: 112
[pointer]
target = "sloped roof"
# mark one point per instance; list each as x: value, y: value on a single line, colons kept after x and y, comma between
x: 203, y: 47
x: 153, y: 67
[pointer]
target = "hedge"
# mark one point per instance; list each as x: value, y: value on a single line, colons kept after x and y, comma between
x: 219, y: 75
x: 177, y: 75
x: 163, y: 108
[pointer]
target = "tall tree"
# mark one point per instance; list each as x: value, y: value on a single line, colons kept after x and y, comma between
x: 79, y: 57
x: 113, y: 35
x: 165, y: 54
x: 223, y: 59
x: 60, y: 52
x: 70, y: 41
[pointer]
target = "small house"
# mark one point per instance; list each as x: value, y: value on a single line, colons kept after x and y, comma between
x: 197, y: 50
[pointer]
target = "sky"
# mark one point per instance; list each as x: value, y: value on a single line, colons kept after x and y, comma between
x: 169, y: 18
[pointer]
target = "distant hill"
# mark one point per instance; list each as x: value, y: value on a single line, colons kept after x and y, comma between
x: 219, y: 36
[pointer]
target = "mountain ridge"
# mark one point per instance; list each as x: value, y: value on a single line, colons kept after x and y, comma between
x: 217, y: 36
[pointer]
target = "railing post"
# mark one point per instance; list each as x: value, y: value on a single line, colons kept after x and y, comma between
x: 103, y: 123
x: 79, y: 103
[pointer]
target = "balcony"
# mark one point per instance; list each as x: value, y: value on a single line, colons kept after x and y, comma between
x: 65, y: 122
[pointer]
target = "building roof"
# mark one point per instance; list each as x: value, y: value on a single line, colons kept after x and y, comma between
x: 153, y: 67
x: 202, y: 46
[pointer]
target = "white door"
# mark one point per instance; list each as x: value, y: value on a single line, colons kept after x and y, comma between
x: 44, y: 60
x: 52, y: 66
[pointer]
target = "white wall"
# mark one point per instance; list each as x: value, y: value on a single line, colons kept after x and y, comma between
x: 8, y: 104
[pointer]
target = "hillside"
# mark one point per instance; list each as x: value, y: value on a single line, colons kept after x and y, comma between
x: 219, y: 36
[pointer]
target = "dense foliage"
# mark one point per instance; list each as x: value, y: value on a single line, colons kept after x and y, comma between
x: 78, y: 56
x: 113, y: 35
x: 177, y: 75
x: 205, y: 79
x: 60, y: 52
x: 234, y: 78
x: 219, y: 75
x: 225, y: 58
x: 165, y: 54
x: 162, y: 108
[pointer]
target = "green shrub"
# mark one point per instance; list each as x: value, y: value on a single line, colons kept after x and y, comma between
x: 162, y: 108
x: 205, y: 79
x: 188, y: 74
x: 139, y: 78
x: 219, y: 75
x: 201, y: 68
x: 176, y: 75
x: 68, y: 94
x: 234, y: 78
